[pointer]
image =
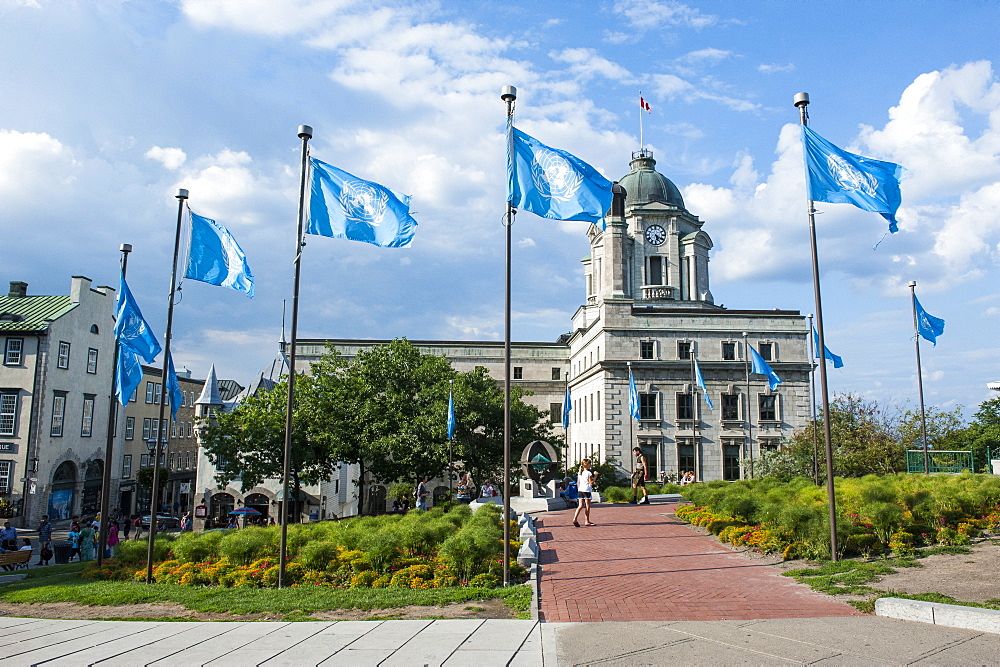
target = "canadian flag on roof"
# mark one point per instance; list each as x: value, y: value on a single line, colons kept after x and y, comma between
x: 644, y: 104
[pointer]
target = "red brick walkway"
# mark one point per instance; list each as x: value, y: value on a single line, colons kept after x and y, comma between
x: 639, y: 564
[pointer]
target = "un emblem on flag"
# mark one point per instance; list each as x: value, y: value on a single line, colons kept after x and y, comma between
x: 362, y: 202
x: 554, y: 176
x: 851, y: 179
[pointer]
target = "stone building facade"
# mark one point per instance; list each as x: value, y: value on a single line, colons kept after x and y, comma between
x: 648, y: 307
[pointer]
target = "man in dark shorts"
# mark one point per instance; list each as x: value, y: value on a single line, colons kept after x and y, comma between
x: 639, y: 478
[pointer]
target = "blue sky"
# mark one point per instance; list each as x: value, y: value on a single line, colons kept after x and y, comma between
x: 109, y: 106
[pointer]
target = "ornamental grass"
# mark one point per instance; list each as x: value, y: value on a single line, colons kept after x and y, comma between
x: 876, y: 515
x: 418, y: 550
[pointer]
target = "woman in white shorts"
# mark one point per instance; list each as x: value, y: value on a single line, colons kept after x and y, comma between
x: 584, y: 485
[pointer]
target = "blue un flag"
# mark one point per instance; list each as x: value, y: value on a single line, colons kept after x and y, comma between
x: 344, y: 206
x: 216, y: 258
x: 928, y: 326
x: 552, y: 183
x: 128, y: 374
x: 173, y: 388
x: 701, y: 383
x: 838, y: 362
x: 633, y: 397
x: 567, y: 408
x: 837, y: 177
x: 760, y: 367
x: 131, y: 328
x: 451, y: 416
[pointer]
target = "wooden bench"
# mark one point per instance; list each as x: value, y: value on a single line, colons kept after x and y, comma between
x: 16, y: 559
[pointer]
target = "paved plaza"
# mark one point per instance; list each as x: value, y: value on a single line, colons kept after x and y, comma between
x: 665, y: 594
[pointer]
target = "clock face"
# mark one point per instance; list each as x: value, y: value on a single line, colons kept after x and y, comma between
x: 655, y: 235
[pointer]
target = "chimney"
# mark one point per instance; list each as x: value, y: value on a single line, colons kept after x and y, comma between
x: 18, y: 289
x: 77, y: 288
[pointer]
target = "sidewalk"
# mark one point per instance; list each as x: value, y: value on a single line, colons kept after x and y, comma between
x: 637, y: 564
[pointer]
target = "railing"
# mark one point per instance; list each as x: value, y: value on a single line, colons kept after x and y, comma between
x: 658, y: 292
x: 939, y: 461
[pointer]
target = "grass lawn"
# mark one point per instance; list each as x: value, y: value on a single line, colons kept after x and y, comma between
x: 62, y: 583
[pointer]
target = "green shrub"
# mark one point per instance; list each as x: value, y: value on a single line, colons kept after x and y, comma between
x: 197, y: 547
x: 247, y: 545
x: 319, y: 555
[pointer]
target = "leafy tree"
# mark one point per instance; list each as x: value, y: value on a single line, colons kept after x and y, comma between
x: 249, y: 442
x: 864, y: 437
x: 983, y: 433
x: 945, y: 430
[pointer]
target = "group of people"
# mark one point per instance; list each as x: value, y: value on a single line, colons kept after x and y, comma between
x: 8, y: 542
x: 465, y: 492
x: 687, y: 478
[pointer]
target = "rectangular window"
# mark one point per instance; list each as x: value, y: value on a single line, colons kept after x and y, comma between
x: 13, y: 352
x: 647, y: 349
x: 556, y: 373
x: 190, y: 428
x: 62, y: 359
x: 597, y: 406
x: 149, y: 391
x: 769, y: 444
x: 92, y: 361
x: 147, y: 425
x: 163, y: 431
x: 655, y: 275
x: 518, y: 373
x: 555, y: 413
x: 684, y: 349
x: 187, y: 459
x: 730, y: 462
x: 170, y: 462
x: 130, y: 428
x: 157, y: 392
x: 144, y: 461
x: 648, y: 406
x: 134, y: 397
x: 173, y: 429
x: 684, y: 412
x: 58, y: 412
x: 768, y: 404
x: 87, y: 420
x: 730, y: 407
x: 766, y: 351
x: 8, y: 413
x: 685, y: 456
x: 127, y: 466
x: 6, y: 475
x: 163, y: 459
x: 729, y: 350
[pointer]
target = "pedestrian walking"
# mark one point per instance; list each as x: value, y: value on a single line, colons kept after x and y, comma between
x: 464, y: 492
x: 86, y: 543
x: 74, y: 541
x: 112, y: 540
x: 639, y: 475
x: 421, y: 493
x: 44, y: 530
x: 585, y: 485
x: 126, y: 526
x: 137, y: 525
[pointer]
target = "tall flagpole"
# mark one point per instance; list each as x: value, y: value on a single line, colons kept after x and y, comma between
x: 628, y: 392
x: 102, y: 542
x: 695, y: 407
x: 920, y: 375
x: 746, y: 355
x: 508, y: 95
x: 565, y: 416
x: 162, y: 432
x: 812, y: 399
x: 640, y: 123
x: 305, y: 133
x: 801, y: 101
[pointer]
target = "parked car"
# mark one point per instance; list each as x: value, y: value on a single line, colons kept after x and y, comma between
x: 169, y: 522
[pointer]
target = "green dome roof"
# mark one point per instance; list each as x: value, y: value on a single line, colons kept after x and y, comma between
x: 645, y: 185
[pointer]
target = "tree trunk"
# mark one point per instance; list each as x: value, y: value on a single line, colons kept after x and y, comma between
x: 361, y: 488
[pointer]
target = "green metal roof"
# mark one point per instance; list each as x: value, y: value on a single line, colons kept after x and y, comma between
x: 32, y: 313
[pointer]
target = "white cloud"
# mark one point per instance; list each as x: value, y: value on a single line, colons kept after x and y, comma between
x: 587, y: 64
x: 775, y: 68
x: 30, y: 161
x: 526, y: 242
x: 651, y: 14
x: 759, y: 226
x: 171, y: 158
x: 709, y: 56
x: 264, y: 17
